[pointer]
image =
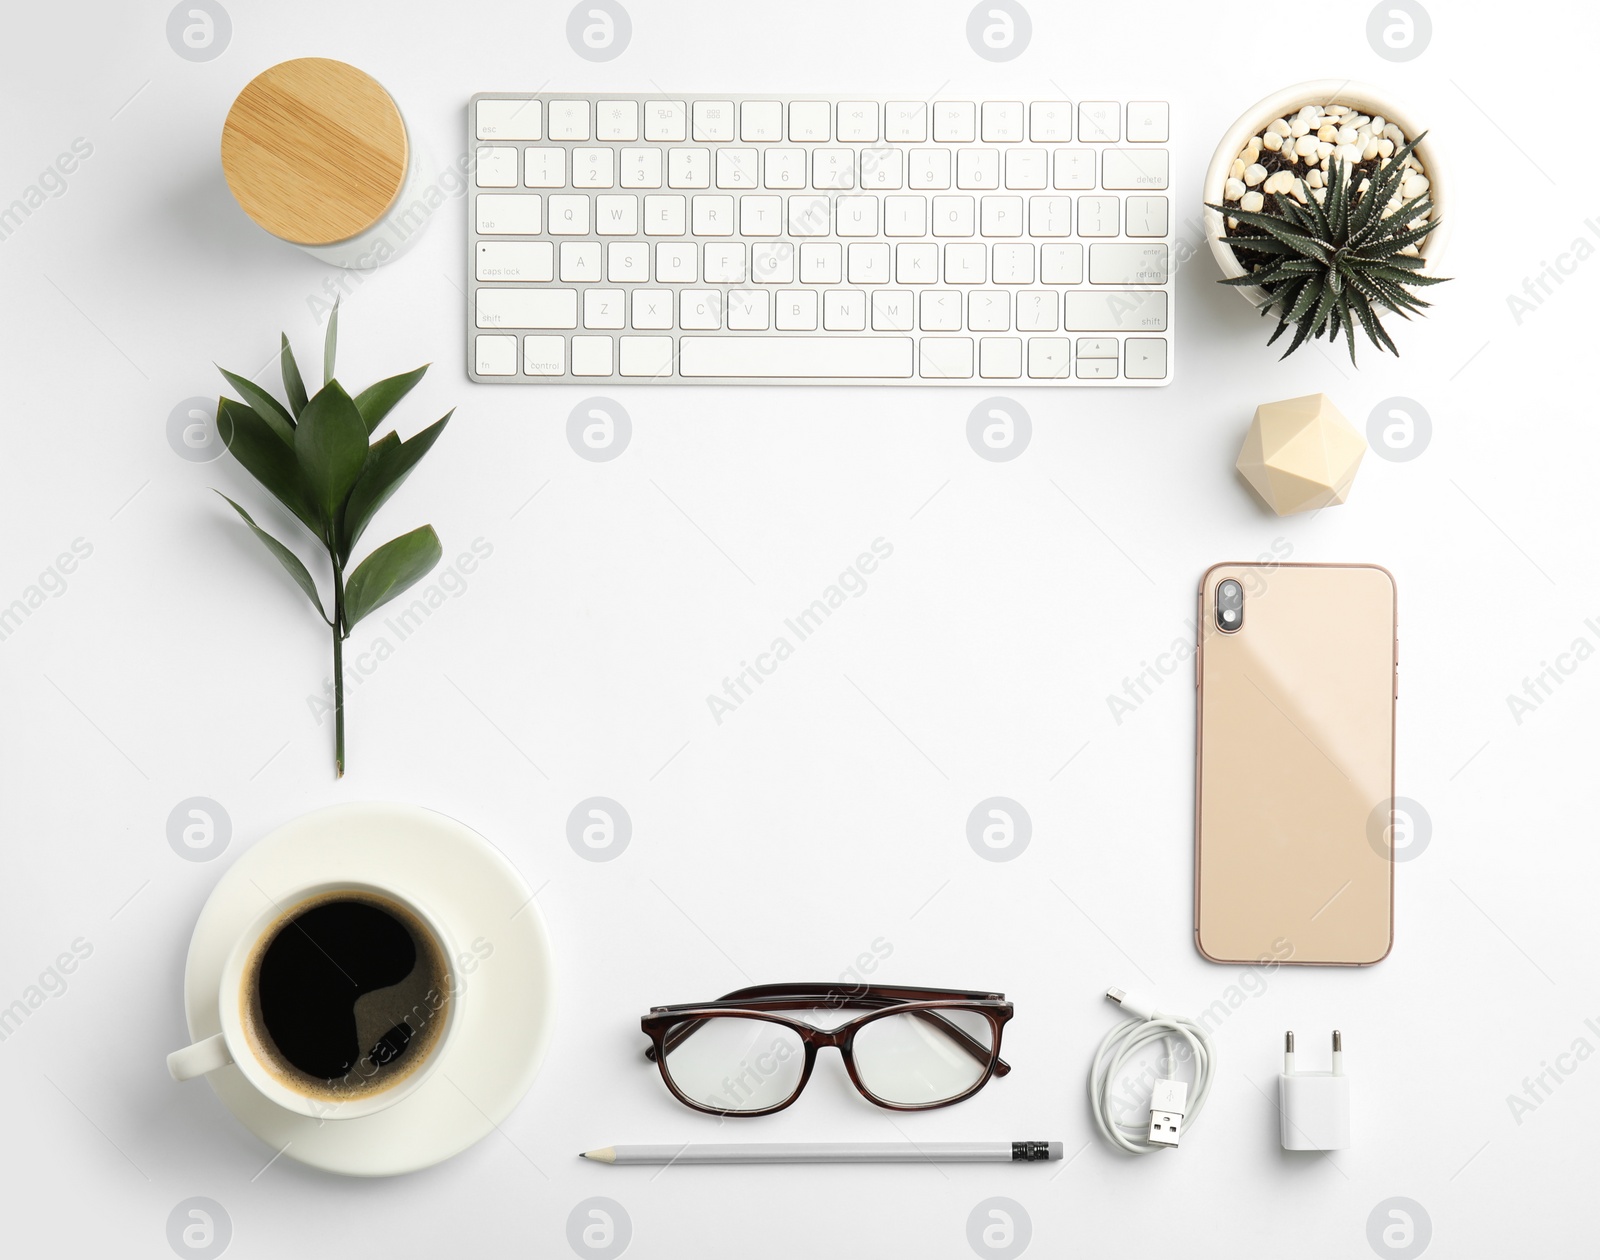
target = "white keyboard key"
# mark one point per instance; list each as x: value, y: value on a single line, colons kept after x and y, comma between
x: 905, y: 216
x: 810, y: 214
x: 652, y: 308
x: 569, y: 214
x: 1147, y: 122
x: 1074, y: 168
x: 869, y: 264
x: 1038, y: 311
x: 905, y: 122
x: 1027, y: 168
x: 501, y: 214
x: 1097, y: 369
x: 929, y: 168
x: 510, y: 120
x: 784, y: 168
x: 1134, y: 168
x: 855, y: 216
x: 725, y: 263
x: 664, y: 121
x: 516, y: 260
x: 844, y: 310
x: 1097, y: 348
x: 761, y: 216
x: 893, y: 310
x: 495, y: 356
x: 966, y: 264
x: 1000, y: 216
x: 1114, y: 310
x: 939, y: 310
x: 1145, y: 358
x: 796, y: 310
x: 700, y: 309
x: 544, y: 168
x: 1147, y: 216
x: 916, y: 264
x: 591, y: 356
x: 689, y: 168
x: 1002, y: 122
x: 1012, y: 264
x: 761, y: 122
x: 497, y: 166
x: 664, y: 215
x: 1127, y: 264
x: 1099, y: 122
x: 1050, y: 122
x: 946, y: 358
x: 645, y: 356
x: 580, y: 262
x: 1049, y: 358
x: 605, y: 308
x: 1061, y: 264
x: 953, y: 216
x: 989, y: 310
x: 772, y: 264
x: 821, y: 263
x: 713, y: 120
x: 738, y: 168
x: 750, y: 310
x: 1000, y: 358
x: 977, y: 168
x: 616, y: 214
x: 544, y: 355
x: 616, y: 120
x: 883, y: 168
x: 594, y: 168
x: 1099, y: 216
x: 527, y: 308
x: 858, y: 122
x: 641, y: 168
x: 799, y: 357
x: 568, y: 120
x: 954, y: 122
x: 833, y: 167
x: 677, y: 262
x: 810, y: 122
x: 1050, y: 216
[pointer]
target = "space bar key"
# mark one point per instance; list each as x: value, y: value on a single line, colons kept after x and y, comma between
x: 861, y: 357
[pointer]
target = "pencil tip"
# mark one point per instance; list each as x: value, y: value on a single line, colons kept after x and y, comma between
x: 583, y: 1154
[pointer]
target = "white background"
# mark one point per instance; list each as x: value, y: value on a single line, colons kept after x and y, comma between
x: 830, y: 810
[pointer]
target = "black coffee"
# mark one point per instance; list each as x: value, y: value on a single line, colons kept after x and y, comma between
x: 348, y: 995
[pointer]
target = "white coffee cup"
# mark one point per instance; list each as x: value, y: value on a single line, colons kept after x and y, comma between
x: 235, y: 1046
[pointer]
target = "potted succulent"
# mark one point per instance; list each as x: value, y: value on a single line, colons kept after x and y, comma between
x: 1323, y: 209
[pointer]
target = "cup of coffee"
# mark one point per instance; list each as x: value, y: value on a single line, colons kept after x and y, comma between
x: 337, y: 1001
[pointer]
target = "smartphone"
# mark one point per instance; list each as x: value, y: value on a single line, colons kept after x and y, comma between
x: 1297, y: 673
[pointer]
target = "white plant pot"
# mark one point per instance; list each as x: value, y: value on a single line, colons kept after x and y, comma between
x: 1286, y: 103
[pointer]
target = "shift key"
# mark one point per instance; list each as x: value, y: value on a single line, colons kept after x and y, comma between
x: 527, y: 308
x: 1113, y: 310
x: 1127, y: 264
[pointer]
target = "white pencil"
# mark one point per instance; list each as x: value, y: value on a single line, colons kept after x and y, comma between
x: 828, y: 1153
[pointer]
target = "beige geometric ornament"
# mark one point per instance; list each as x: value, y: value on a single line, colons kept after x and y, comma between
x: 1301, y: 454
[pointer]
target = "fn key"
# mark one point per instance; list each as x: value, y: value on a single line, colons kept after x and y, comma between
x: 1145, y: 358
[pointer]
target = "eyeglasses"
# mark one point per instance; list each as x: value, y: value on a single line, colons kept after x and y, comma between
x: 746, y: 1054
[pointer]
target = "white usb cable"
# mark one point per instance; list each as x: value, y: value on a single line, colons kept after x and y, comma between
x: 1171, y: 1109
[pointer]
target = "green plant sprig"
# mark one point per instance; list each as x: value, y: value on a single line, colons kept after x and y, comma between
x: 1332, y: 261
x: 313, y: 455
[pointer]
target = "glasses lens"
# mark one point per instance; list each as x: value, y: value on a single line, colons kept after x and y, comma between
x: 730, y: 1063
x: 916, y: 1058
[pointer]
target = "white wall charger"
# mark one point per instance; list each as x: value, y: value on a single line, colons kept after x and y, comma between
x: 1314, y: 1107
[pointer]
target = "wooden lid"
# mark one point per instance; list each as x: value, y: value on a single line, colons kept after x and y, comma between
x: 314, y: 150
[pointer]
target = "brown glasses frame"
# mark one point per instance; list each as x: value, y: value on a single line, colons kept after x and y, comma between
x: 669, y: 1026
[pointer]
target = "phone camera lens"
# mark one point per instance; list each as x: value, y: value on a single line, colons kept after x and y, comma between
x: 1230, y: 605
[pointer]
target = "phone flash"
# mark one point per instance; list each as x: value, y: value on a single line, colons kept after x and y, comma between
x: 1228, y: 614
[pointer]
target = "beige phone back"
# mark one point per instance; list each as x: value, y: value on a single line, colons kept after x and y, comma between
x: 1294, y: 766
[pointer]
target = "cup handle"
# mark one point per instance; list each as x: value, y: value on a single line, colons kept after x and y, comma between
x: 198, y: 1059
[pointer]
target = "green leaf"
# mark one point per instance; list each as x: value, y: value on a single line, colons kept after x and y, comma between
x: 265, y: 405
x: 293, y: 386
x: 256, y: 445
x: 331, y: 445
x: 377, y: 401
x: 286, y: 558
x: 382, y: 477
x: 330, y: 343
x: 388, y: 571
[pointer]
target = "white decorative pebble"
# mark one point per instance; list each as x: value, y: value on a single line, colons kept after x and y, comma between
x: 1348, y: 154
x: 1379, y: 122
x: 1314, y: 180
x: 1279, y: 127
x: 1299, y: 127
x: 1252, y: 201
x: 1305, y: 146
x: 1254, y: 174
x: 1391, y: 132
x: 1327, y: 132
x: 1346, y: 135
x: 1370, y: 151
x: 1236, y: 171
x: 1272, y: 141
x: 1338, y: 111
x: 1233, y: 190
x: 1323, y: 148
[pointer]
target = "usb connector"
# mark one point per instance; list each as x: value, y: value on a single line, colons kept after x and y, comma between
x: 1167, y: 1102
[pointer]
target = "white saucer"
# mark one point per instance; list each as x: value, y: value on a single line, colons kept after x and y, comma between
x: 493, y: 1054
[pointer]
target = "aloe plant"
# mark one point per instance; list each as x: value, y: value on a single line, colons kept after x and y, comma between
x: 1327, y: 264
x: 314, y: 456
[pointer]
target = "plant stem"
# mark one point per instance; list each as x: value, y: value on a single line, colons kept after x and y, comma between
x: 338, y: 665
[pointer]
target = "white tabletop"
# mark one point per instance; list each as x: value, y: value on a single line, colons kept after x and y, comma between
x: 821, y: 825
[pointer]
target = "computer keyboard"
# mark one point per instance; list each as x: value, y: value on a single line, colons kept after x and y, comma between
x: 700, y: 240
